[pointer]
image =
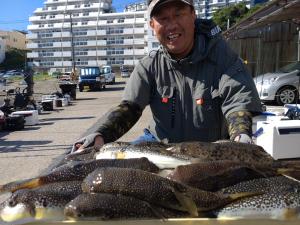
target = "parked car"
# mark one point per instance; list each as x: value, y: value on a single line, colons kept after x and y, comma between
x: 91, y: 77
x: 109, y: 74
x: 281, y: 86
x: 125, y: 73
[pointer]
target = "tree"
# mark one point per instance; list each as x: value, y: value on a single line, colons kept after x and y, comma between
x: 14, y: 59
x: 233, y: 14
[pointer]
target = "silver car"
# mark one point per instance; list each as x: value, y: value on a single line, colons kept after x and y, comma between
x: 281, y: 86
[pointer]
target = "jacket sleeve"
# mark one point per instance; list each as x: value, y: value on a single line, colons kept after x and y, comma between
x: 118, y: 121
x: 239, y: 122
x: 236, y: 86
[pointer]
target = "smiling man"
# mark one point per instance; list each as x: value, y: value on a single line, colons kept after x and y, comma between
x: 198, y: 89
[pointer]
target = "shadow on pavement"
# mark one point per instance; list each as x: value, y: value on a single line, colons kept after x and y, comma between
x: 80, y: 99
x: 31, y: 146
x: 68, y: 118
x: 114, y: 89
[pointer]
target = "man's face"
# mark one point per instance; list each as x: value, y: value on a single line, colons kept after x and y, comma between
x: 173, y: 25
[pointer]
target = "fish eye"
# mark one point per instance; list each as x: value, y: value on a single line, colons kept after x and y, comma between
x: 12, y: 202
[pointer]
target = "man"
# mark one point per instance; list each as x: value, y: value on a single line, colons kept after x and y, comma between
x: 194, y: 83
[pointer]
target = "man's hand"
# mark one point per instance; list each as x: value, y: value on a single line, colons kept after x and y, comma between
x: 94, y: 139
x: 244, y: 138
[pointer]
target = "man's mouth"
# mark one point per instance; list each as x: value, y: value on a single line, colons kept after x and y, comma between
x: 173, y: 37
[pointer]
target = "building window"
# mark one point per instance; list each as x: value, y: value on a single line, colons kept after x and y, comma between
x: 86, y: 14
x: 52, y: 16
x: 75, y: 14
x: 43, y: 17
x: 77, y: 6
x: 87, y: 5
x: 54, y: 8
x: 84, y: 23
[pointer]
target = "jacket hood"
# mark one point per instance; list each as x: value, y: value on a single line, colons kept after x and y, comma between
x: 207, y: 33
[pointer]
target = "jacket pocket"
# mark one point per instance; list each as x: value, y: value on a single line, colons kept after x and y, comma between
x: 207, y: 109
x: 163, y: 106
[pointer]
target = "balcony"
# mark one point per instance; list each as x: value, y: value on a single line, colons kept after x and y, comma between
x: 31, y: 36
x: 32, y: 45
x: 38, y: 10
x: 134, y: 31
x: 130, y: 62
x: 62, y: 54
x: 62, y: 63
x: 61, y: 34
x: 99, y: 32
x: 61, y: 44
x: 32, y: 55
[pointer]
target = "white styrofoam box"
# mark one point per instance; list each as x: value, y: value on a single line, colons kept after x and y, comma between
x: 30, y: 116
x: 262, y: 117
x: 49, y: 97
x: 65, y: 101
x: 280, y: 138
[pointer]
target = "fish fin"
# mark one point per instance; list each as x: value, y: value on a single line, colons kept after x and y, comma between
x: 187, y: 202
x: 291, y: 213
x: 291, y: 173
x: 17, y: 185
x: 240, y: 195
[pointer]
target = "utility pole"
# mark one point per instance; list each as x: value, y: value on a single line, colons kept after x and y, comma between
x: 72, y: 44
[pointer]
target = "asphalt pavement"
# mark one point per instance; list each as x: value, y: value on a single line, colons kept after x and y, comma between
x: 29, y: 152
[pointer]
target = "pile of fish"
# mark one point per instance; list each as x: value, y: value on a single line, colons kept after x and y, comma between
x: 158, y: 181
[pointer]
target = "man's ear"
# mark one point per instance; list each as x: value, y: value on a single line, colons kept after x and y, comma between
x: 151, y: 23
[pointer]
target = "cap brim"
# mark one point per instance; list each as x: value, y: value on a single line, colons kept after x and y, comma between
x: 159, y: 4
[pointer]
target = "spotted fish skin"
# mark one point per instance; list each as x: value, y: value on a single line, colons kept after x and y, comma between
x: 152, y: 188
x: 280, y: 194
x: 155, y: 152
x: 45, y: 202
x: 78, y: 171
x: 224, y: 150
x: 105, y: 206
x: 273, y: 204
x: 264, y: 185
x: 215, y: 175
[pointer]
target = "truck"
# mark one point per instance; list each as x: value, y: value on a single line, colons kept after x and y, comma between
x: 92, y: 78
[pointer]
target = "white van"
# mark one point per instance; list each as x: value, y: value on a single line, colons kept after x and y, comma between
x: 109, y: 74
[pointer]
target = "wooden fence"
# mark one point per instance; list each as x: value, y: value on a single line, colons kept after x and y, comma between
x: 268, y: 48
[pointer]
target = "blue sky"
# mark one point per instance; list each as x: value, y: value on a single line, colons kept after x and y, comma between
x: 15, y: 13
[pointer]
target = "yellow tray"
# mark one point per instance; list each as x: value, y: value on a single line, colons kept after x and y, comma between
x: 177, y: 222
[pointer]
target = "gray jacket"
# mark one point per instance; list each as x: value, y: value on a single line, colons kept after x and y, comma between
x: 191, y: 98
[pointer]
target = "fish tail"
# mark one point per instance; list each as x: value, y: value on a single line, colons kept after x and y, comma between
x: 240, y: 195
x: 187, y: 202
x: 17, y: 185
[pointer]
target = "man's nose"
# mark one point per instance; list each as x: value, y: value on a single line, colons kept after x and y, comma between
x: 172, y: 23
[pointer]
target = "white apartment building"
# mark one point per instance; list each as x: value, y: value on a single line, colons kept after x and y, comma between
x: 99, y: 36
x: 2, y: 50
